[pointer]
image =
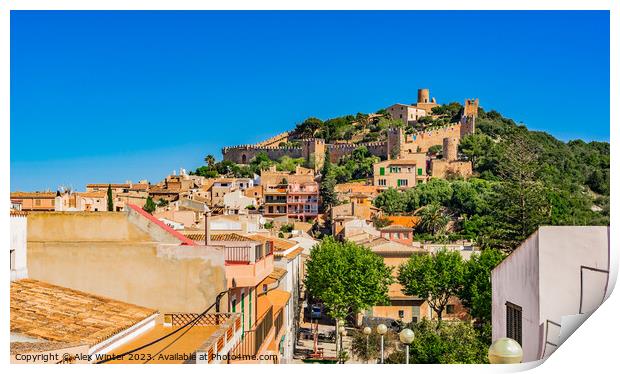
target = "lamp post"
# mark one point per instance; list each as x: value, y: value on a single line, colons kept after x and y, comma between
x: 406, y: 337
x: 381, y: 330
x: 341, y: 331
x: 505, y: 351
x: 367, y: 331
x: 342, y: 350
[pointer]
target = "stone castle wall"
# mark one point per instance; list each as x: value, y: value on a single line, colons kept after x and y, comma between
x: 397, y: 144
x: 243, y: 154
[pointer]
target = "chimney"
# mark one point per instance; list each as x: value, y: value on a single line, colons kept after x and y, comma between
x: 207, y: 228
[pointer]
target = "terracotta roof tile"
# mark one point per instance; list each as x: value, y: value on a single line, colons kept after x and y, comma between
x: 37, y: 195
x: 407, y: 221
x: 45, y: 311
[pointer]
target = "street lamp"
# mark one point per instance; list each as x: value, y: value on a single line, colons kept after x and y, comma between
x: 367, y: 331
x: 505, y: 351
x: 381, y: 330
x: 343, y: 333
x: 406, y: 337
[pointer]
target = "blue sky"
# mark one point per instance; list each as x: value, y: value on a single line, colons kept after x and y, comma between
x: 114, y: 96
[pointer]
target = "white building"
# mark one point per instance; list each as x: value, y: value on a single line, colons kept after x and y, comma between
x: 558, y: 275
x: 18, y: 250
x: 236, y: 202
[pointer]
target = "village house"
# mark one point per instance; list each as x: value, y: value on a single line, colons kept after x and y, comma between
x: 272, y: 176
x: 160, y: 268
x: 35, y: 201
x: 275, y: 200
x: 554, y: 280
x: 400, y: 173
x: 406, y: 308
x: 236, y: 202
x: 302, y: 201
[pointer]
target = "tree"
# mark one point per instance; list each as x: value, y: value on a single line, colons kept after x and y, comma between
x: 149, y: 206
x: 448, y: 343
x: 110, y: 200
x: 521, y: 198
x: 433, y: 218
x: 347, y: 277
x: 476, y: 291
x: 367, y: 350
x: 210, y: 161
x: 162, y: 202
x: 327, y: 189
x: 434, y: 277
x: 391, y: 201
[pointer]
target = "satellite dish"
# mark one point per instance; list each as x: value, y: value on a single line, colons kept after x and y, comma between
x: 262, y: 220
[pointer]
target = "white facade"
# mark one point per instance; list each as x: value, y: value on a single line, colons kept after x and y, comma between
x: 558, y: 271
x: 18, y: 250
x: 236, y: 202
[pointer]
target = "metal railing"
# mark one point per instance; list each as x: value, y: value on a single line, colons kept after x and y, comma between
x: 239, y: 254
x: 253, y: 339
x: 279, y: 321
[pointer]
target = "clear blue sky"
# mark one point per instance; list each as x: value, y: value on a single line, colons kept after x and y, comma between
x: 114, y: 96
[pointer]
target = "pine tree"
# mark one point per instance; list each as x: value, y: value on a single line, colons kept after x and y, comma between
x: 110, y: 200
x: 149, y: 206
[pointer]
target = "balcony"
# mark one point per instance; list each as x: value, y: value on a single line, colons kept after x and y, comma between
x: 247, y: 266
x: 302, y: 200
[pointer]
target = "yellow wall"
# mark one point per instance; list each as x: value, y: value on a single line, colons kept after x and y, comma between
x: 115, y: 254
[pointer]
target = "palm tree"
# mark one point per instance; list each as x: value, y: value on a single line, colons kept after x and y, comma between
x: 210, y: 160
x: 433, y: 218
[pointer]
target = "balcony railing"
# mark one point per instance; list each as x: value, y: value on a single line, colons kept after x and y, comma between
x: 279, y: 321
x: 246, y: 254
x: 253, y: 339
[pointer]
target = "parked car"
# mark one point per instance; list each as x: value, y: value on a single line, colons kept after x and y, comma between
x: 316, y: 312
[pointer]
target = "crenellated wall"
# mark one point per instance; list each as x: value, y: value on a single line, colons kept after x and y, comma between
x: 243, y: 154
x: 398, y: 145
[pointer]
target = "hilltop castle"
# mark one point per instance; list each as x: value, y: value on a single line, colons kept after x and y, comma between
x: 397, y: 145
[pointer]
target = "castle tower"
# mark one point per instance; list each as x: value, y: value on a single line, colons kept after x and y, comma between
x: 424, y: 95
x: 450, y: 149
x: 313, y: 151
x: 468, y: 119
x: 395, y: 140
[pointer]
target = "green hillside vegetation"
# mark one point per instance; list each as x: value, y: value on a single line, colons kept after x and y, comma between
x: 523, y: 179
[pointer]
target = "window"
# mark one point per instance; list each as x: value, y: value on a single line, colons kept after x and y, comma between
x: 381, y: 171
x: 450, y: 309
x: 382, y: 182
x: 419, y: 171
x: 264, y: 288
x: 12, y: 259
x: 513, y: 322
x: 37, y: 202
x: 233, y: 305
x: 401, y: 314
x: 402, y: 182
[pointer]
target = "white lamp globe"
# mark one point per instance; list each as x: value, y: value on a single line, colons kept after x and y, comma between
x: 505, y: 351
x: 381, y: 329
x: 367, y: 330
x: 406, y: 336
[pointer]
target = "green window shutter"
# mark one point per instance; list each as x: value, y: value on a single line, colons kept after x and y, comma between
x: 381, y: 171
x: 398, y: 182
x: 419, y: 171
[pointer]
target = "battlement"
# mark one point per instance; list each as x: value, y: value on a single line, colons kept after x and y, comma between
x: 256, y: 148
x: 354, y: 146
